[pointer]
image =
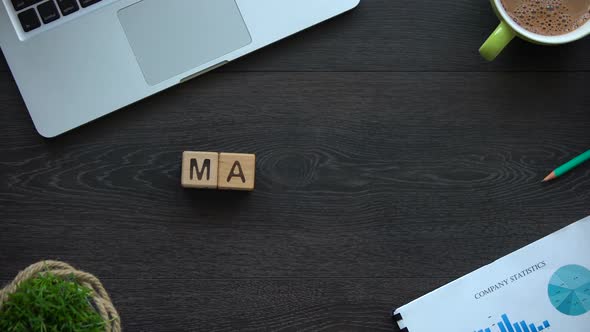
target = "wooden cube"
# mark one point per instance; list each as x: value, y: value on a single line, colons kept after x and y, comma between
x: 236, y: 171
x: 199, y: 169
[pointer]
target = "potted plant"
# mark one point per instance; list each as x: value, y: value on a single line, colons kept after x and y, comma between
x: 52, y: 296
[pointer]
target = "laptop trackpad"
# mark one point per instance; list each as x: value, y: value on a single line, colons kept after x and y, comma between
x: 171, y: 37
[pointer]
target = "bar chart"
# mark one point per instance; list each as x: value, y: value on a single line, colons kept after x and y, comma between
x: 506, y: 325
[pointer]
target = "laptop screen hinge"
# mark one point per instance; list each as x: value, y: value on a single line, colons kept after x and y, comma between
x: 204, y: 71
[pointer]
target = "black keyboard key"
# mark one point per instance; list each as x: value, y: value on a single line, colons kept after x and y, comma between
x: 29, y: 19
x: 19, y: 4
x: 48, y: 11
x: 86, y: 3
x: 22, y: 4
x: 67, y: 6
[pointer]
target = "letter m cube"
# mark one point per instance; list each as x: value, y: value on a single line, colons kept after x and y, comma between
x: 199, y: 169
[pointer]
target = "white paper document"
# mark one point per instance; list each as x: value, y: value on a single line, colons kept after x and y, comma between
x: 544, y: 286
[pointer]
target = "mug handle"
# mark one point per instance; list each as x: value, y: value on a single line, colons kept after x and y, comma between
x: 497, y: 41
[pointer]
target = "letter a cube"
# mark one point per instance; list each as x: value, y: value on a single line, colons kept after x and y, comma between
x: 199, y: 169
x: 236, y: 171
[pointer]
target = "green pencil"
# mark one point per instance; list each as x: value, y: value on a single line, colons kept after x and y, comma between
x: 561, y: 170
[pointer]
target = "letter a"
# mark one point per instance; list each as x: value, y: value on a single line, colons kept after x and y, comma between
x: 233, y: 173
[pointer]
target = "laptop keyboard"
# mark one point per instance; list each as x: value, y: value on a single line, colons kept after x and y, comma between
x: 34, y: 13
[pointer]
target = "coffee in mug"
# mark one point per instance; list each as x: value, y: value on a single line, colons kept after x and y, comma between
x: 549, y: 17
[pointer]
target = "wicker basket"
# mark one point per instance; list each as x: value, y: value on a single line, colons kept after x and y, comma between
x: 102, y: 301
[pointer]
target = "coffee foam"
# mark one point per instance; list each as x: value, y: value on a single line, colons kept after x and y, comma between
x: 549, y: 17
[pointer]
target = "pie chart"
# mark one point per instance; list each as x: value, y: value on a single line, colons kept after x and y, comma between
x: 569, y: 290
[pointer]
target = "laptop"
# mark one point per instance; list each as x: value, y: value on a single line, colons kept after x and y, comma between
x: 77, y: 60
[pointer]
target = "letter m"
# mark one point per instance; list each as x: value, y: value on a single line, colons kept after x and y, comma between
x: 200, y: 172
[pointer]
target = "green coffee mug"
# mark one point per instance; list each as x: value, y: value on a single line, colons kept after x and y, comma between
x: 508, y: 29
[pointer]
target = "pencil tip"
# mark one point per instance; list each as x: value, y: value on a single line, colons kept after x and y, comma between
x: 550, y: 177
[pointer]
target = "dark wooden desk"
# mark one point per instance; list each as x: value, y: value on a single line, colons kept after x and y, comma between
x: 391, y: 160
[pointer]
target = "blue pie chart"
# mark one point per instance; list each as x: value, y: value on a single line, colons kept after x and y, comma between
x: 569, y: 290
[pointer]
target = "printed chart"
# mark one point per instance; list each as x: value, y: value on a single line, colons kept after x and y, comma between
x: 569, y: 290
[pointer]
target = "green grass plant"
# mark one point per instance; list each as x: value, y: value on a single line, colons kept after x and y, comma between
x: 49, y: 303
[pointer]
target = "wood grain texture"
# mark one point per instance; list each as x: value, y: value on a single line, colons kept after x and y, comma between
x: 391, y: 160
x: 260, y: 304
x: 362, y: 176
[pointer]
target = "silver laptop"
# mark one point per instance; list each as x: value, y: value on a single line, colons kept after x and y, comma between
x: 77, y: 60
